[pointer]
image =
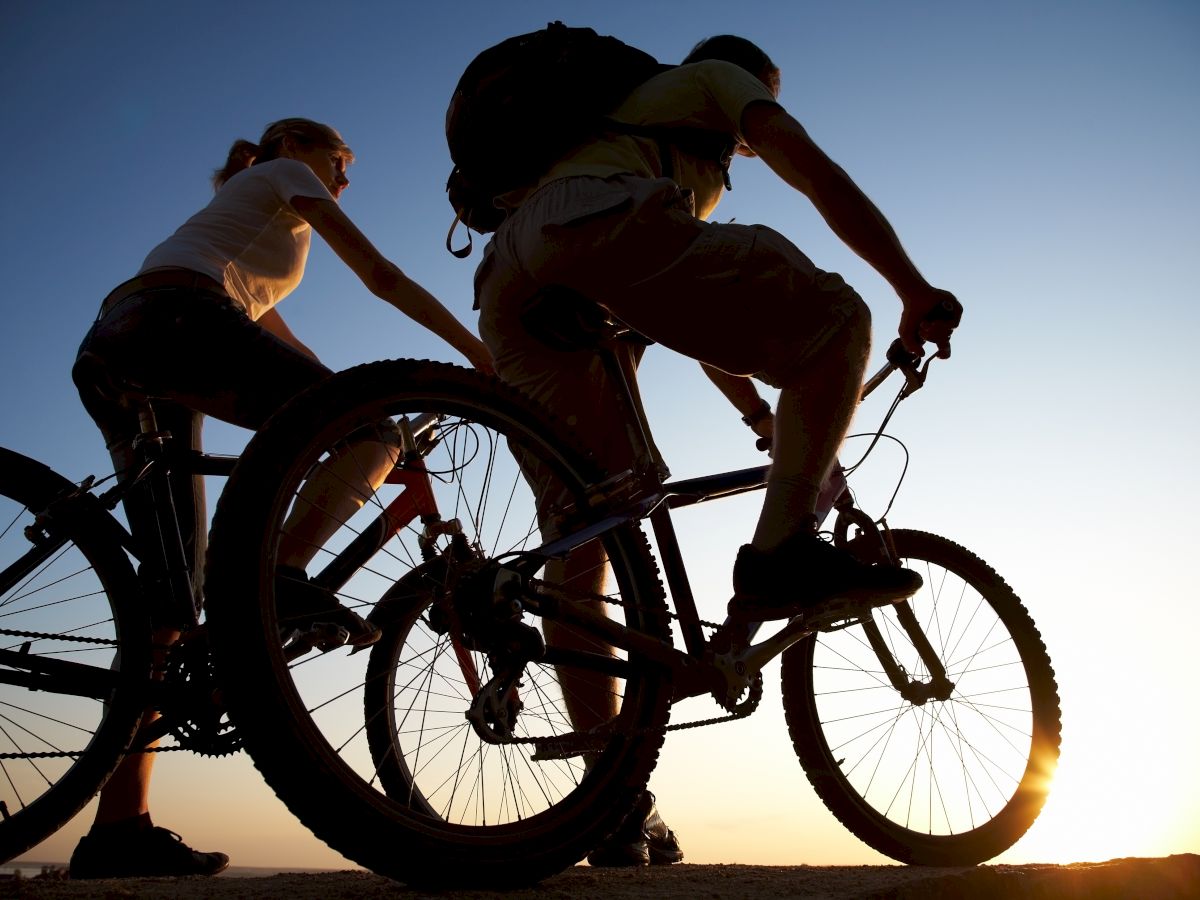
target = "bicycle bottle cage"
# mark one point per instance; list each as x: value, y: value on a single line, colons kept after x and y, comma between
x: 567, y: 321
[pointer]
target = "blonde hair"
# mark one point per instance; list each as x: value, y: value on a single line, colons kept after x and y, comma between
x: 304, y: 132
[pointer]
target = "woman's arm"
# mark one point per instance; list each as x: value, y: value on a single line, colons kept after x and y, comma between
x: 384, y: 279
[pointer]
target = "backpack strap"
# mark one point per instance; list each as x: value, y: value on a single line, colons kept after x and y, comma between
x: 464, y: 251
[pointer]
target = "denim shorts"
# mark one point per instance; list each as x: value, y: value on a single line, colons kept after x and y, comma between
x: 196, y: 353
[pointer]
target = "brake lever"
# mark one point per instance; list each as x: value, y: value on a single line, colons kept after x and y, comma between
x: 909, y: 364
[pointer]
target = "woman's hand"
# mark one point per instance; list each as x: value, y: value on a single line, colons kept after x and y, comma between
x: 385, y: 280
x: 479, y: 357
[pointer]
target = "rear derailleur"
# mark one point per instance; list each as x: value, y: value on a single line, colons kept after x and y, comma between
x: 481, y: 611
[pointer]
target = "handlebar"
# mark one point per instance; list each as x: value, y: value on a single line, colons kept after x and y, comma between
x: 908, y: 363
x: 898, y: 358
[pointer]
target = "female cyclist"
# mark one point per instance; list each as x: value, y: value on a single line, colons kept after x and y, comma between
x: 197, y: 328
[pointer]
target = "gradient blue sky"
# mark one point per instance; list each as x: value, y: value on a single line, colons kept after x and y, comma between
x: 1039, y: 159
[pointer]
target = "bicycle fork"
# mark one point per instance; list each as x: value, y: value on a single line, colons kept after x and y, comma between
x: 938, y: 686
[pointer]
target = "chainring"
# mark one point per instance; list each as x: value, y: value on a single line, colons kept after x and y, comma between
x: 198, y: 720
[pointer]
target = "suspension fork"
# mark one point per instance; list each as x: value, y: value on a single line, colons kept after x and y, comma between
x: 939, y: 686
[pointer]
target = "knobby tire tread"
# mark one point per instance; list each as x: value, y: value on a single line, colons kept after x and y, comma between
x: 355, y: 819
x: 34, y: 485
x: 890, y: 838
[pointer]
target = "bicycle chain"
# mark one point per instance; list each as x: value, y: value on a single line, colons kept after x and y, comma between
x: 755, y: 690
x: 747, y: 707
x: 64, y: 754
x: 41, y: 635
x: 229, y: 742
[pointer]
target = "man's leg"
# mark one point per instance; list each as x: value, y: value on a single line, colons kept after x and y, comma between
x: 814, y: 413
x: 576, y: 389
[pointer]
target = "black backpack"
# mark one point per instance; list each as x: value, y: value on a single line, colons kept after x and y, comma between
x: 523, y: 104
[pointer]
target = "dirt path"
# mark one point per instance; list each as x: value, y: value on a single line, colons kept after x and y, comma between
x: 1172, y: 878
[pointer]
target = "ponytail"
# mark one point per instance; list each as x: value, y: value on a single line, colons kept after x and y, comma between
x: 241, y: 156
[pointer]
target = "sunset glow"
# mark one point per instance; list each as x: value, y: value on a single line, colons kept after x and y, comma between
x: 1037, y: 159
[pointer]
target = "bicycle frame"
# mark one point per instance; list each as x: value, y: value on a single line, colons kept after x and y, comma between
x: 640, y: 493
x: 174, y: 605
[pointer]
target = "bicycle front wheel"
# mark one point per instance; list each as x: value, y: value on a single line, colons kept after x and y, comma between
x: 74, y: 652
x: 948, y: 776
x: 413, y: 759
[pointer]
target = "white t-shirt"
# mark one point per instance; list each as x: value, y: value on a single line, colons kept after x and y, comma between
x: 248, y: 238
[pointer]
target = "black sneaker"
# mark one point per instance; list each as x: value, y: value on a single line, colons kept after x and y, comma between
x: 642, y: 840
x: 303, y: 605
x: 807, y: 575
x: 140, y: 853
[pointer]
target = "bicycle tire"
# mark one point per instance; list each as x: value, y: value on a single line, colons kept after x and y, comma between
x: 80, y: 605
x: 328, y: 763
x: 946, y: 783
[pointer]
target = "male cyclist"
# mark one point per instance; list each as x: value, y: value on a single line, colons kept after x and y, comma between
x: 623, y: 220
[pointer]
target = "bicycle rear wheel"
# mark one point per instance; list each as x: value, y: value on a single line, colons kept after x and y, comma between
x: 953, y: 779
x: 374, y: 752
x: 74, y: 653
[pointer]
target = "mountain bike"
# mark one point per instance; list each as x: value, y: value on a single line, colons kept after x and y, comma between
x: 80, y: 600
x: 446, y: 755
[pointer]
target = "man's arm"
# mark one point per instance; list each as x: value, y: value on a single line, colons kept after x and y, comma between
x: 741, y: 392
x: 785, y: 146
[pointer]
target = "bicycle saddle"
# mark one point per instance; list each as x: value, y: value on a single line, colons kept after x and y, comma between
x: 92, y: 371
x: 566, y: 320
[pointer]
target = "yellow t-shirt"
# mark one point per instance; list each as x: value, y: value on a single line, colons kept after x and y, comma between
x: 710, y: 95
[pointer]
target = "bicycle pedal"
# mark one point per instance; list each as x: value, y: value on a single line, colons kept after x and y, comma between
x: 329, y: 636
x: 323, y: 636
x: 838, y: 616
x: 732, y: 634
x: 566, y: 746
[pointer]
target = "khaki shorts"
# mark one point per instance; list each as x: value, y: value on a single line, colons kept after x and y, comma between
x: 741, y: 298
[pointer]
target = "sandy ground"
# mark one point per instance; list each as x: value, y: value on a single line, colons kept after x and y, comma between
x: 1172, y: 878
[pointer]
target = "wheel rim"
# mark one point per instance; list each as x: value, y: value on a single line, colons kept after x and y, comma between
x: 948, y: 767
x: 413, y: 753
x: 59, y: 742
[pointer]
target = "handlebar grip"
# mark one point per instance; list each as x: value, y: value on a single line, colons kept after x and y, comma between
x: 901, y: 358
x: 946, y: 311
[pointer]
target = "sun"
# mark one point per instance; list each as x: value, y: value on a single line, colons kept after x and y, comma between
x: 1097, y: 812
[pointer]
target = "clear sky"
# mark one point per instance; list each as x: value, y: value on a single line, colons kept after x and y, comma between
x: 1038, y: 159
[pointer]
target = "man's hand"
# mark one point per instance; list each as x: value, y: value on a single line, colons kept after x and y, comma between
x: 931, y: 315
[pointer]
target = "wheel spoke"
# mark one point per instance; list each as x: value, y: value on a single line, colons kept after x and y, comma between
x: 944, y: 777
x: 452, y: 726
x: 62, y: 727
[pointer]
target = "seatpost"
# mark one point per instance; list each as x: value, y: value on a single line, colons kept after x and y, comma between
x: 619, y: 365
x: 169, y: 565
